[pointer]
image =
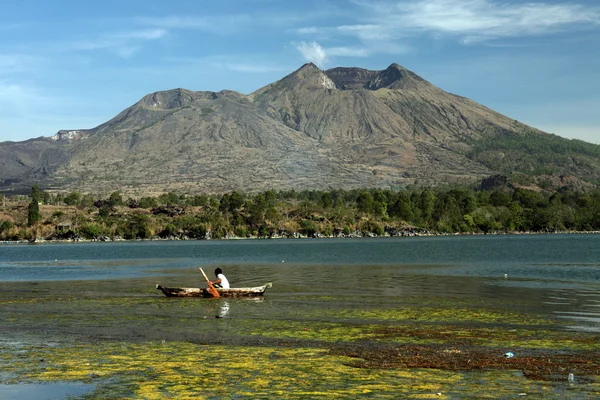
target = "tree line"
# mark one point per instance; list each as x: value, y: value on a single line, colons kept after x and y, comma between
x: 333, y: 213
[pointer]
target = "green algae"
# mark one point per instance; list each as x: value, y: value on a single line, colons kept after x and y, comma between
x: 425, y: 314
x: 183, y: 370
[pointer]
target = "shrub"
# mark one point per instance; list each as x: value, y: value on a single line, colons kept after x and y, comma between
x: 91, y: 231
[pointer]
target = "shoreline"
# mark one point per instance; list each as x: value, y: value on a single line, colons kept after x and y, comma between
x: 296, y: 235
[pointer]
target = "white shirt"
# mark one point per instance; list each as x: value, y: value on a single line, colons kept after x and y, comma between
x: 224, y: 282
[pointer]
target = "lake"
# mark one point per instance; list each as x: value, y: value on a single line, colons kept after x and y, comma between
x: 557, y: 274
x: 77, y: 306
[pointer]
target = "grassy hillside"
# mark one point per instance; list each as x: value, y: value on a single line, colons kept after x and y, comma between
x: 532, y: 153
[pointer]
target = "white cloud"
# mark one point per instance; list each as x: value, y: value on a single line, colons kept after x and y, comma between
x: 175, y: 22
x: 348, y: 51
x: 368, y: 32
x: 309, y: 30
x: 248, y: 63
x: 144, y: 34
x: 218, y: 24
x: 28, y: 111
x: 124, y: 43
x: 320, y: 55
x: 473, y: 20
x: 20, y: 100
x: 379, y: 25
x: 313, y: 52
x: 253, y: 68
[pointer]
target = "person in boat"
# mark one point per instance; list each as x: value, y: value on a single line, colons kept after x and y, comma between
x: 221, y: 281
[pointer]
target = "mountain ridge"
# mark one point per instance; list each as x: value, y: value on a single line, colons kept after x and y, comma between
x: 344, y: 127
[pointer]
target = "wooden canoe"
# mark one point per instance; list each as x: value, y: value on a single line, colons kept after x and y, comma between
x: 203, y: 292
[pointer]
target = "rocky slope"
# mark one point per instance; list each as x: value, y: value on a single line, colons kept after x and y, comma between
x: 313, y: 129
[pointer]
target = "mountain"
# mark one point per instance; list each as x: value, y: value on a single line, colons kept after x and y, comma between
x: 313, y: 129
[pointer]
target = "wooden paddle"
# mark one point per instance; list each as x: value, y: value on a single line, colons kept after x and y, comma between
x: 211, y: 288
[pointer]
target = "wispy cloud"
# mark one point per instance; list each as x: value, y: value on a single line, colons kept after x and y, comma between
x: 468, y: 21
x: 252, y: 64
x: 174, y: 22
x: 27, y: 108
x: 123, y: 43
x: 234, y: 22
x: 17, y: 97
x: 369, y: 32
x: 143, y: 34
x: 474, y: 20
x: 346, y: 51
x: 216, y: 24
x: 312, y: 52
x: 253, y: 68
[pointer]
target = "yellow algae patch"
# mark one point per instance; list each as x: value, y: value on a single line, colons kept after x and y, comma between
x: 190, y: 371
x: 431, y: 314
x: 310, y: 330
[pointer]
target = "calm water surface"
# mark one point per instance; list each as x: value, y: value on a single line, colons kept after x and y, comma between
x: 558, y: 274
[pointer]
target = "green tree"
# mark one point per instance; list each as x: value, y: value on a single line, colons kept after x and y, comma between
x: 326, y: 200
x: 528, y: 198
x: 364, y: 202
x: 148, y: 202
x: 236, y: 201
x: 73, y: 199
x: 115, y: 199
x: 36, y: 193
x: 5, y: 226
x: 402, y: 207
x: 105, y: 211
x: 447, y: 214
x: 308, y: 227
x: 91, y: 231
x: 380, y: 209
x: 87, y: 201
x: 199, y: 201
x: 224, y: 203
x: 33, y: 213
x: 427, y: 203
x: 500, y: 198
x: 465, y: 198
x: 256, y: 211
x: 137, y: 227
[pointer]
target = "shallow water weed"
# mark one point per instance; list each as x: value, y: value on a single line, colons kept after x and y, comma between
x: 143, y: 345
x: 184, y: 370
x: 451, y: 314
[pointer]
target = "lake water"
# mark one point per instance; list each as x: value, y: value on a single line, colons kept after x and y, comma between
x: 547, y: 274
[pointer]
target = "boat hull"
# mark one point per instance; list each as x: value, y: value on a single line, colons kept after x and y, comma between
x: 202, y: 292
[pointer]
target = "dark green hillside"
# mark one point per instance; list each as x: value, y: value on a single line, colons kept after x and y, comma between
x: 535, y: 154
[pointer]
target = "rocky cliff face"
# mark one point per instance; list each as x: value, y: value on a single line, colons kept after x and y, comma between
x: 313, y: 129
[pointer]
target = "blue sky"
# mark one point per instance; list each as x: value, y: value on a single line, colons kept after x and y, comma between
x: 76, y: 64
